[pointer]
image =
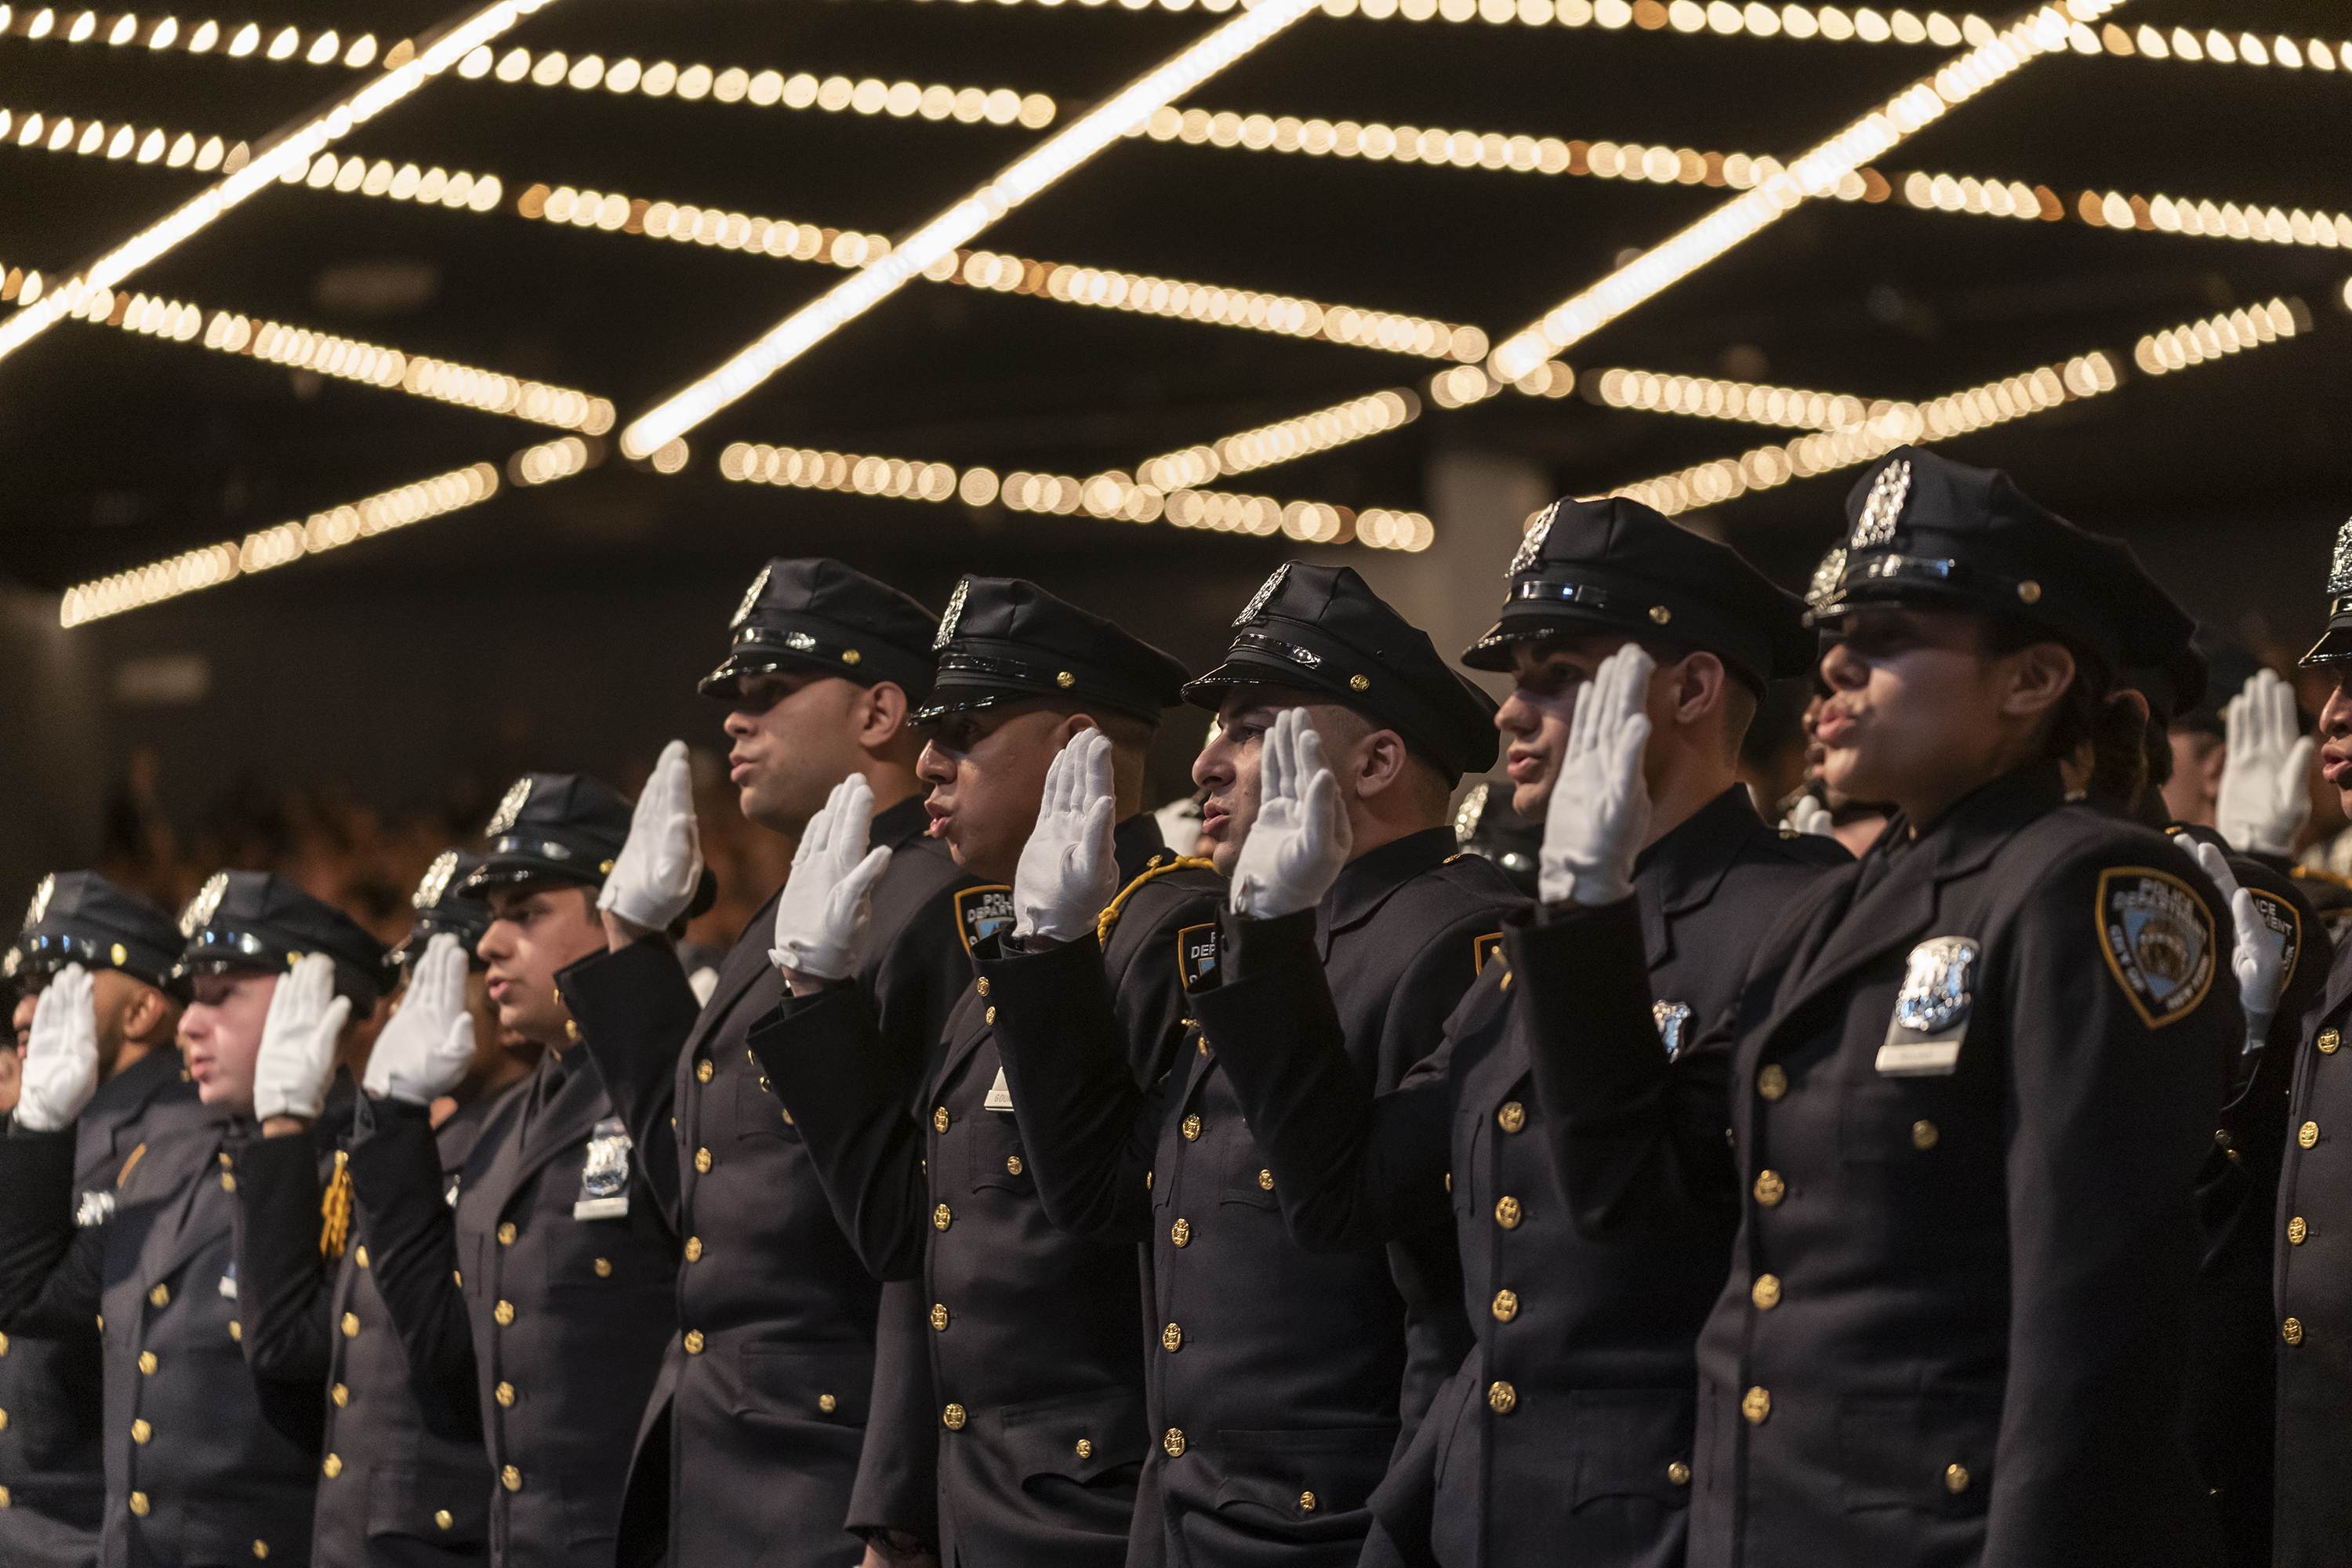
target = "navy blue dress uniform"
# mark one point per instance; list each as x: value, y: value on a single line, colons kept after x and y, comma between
x: 550, y: 1278
x: 52, y: 1459
x: 1566, y: 1435
x: 2313, y: 1261
x: 1970, y: 1081
x: 762, y: 1408
x: 1035, y: 1362
x: 206, y: 1463
x: 404, y: 1479
x: 1279, y: 1379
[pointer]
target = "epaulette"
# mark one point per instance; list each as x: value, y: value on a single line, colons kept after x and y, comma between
x: 1104, y: 922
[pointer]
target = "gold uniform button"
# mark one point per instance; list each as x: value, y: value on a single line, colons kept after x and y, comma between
x: 359, y: 1255
x: 702, y: 1161
x: 2292, y: 1330
x: 1756, y: 1404
x: 952, y: 1418
x: 1679, y: 1474
x: 1086, y: 1448
x: 939, y: 1120
x: 1265, y: 1180
x: 1172, y: 1338
x: 1173, y: 1443
x: 502, y: 1314
x: 1508, y: 1214
x: 341, y: 1394
x: 351, y: 1324
x: 1512, y: 1117
x: 694, y: 1341
x: 161, y: 1295
x: 141, y: 1431
x: 507, y: 1234
x: 827, y: 1404
x: 1307, y: 1502
x: 1012, y: 1166
x: 505, y: 1395
x: 262, y: 1549
x: 1502, y: 1398
x: 139, y: 1504
x: 1766, y: 1292
x: 2296, y: 1230
x: 982, y: 986
x: 2307, y: 1135
x: 1772, y: 1082
x: 4, y: 1497
x: 1956, y: 1478
x: 1506, y: 1305
x: 2328, y: 1042
x: 703, y: 1069
x: 511, y: 1479
x: 992, y: 1017
x: 334, y: 1467
x: 1191, y: 1128
x: 235, y: 1329
x: 1924, y: 1135
x: 603, y: 1269
x: 4, y: 1344
x: 694, y: 1250
x: 1360, y: 683
x: 942, y: 1218
x: 147, y: 1362
x: 443, y: 1519
x: 1770, y: 1189
x: 939, y: 1316
x: 228, y: 1181
x: 1180, y: 1232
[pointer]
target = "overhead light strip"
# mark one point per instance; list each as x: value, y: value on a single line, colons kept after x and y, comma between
x: 1020, y: 181
x: 2117, y: 209
x: 124, y: 30
x: 1355, y: 420
x: 1709, y: 397
x: 765, y: 88
x: 406, y: 70
x: 1816, y: 173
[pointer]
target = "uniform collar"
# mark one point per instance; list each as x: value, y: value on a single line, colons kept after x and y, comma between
x: 1366, y: 882
x: 904, y: 821
x: 1138, y: 845
x: 135, y: 1085
x: 1684, y: 867
x: 1979, y: 822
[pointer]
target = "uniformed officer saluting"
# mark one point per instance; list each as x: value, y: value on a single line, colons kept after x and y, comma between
x: 1276, y: 1375
x: 1972, y: 1076
x: 1035, y: 1357
x: 765, y: 1393
x: 52, y: 1464
x: 1567, y: 1434
x: 206, y: 1463
x: 552, y: 1258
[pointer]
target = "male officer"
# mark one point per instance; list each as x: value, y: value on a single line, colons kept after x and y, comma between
x: 1279, y: 1379
x: 765, y: 1395
x: 1971, y: 1078
x: 206, y: 1463
x: 1567, y: 1432
x: 1034, y: 1354
x: 52, y: 1465
x: 551, y: 1280
x: 404, y: 1479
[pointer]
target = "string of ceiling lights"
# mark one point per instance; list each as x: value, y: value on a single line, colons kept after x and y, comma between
x: 124, y: 30
x: 2115, y: 209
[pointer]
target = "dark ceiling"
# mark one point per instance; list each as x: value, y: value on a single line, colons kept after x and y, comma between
x: 120, y: 449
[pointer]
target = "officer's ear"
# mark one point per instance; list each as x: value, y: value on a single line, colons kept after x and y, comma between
x: 151, y: 1018
x: 2035, y: 679
x: 881, y: 715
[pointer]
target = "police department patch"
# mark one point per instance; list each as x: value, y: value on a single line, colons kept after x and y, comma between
x: 2159, y: 938
x: 2284, y: 924
x: 1196, y: 952
x: 982, y: 913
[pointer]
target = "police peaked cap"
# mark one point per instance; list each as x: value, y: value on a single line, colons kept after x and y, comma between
x: 560, y: 828
x: 1613, y: 566
x: 249, y: 921
x: 443, y: 910
x: 1925, y: 533
x: 1005, y: 641
x: 816, y: 617
x: 1324, y: 629
x: 80, y: 917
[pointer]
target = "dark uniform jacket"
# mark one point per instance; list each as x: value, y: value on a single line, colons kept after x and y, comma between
x: 206, y: 1465
x: 1275, y: 1375
x: 52, y: 1462
x: 1567, y: 1434
x: 404, y: 1479
x: 1970, y: 1081
x: 765, y: 1390
x: 1035, y: 1357
x: 562, y: 1267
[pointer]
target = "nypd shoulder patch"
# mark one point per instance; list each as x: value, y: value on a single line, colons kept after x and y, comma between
x: 2284, y: 921
x: 1196, y: 953
x: 2157, y: 937
x: 982, y: 912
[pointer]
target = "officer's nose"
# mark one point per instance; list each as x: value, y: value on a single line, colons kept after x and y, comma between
x: 932, y: 767
x: 1842, y: 669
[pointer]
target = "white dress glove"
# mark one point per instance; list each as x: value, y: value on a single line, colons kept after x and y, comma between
x: 654, y: 878
x: 1067, y: 874
x: 1809, y: 816
x: 828, y: 901
x: 298, y: 1041
x: 1295, y: 851
x: 61, y: 1059
x: 423, y: 1052
x: 1599, y: 811
x: 2255, y: 958
x: 2265, y: 777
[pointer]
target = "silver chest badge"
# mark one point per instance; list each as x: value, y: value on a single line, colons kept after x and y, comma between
x: 604, y: 1176
x: 1931, y: 1010
x: 1672, y: 1019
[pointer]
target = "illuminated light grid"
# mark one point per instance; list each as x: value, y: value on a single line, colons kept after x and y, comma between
x: 2115, y: 209
x: 407, y: 69
x: 733, y: 84
x: 214, y: 564
x: 125, y: 30
x: 1020, y: 181
x: 63, y: 133
x: 1707, y: 397
x: 2159, y: 354
x: 1111, y: 495
x: 1816, y: 174
x: 1268, y: 445
x: 552, y: 460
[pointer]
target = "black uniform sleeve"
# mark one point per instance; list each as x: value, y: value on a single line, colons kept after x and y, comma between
x: 921, y: 970
x: 635, y: 1010
x: 1637, y: 1139
x: 848, y: 1097
x: 285, y: 1284
x: 49, y: 1273
x: 413, y: 1248
x: 1142, y: 971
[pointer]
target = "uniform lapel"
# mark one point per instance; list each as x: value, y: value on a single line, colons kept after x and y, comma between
x: 745, y: 966
x: 1682, y: 871
x: 169, y: 1246
x: 561, y: 1125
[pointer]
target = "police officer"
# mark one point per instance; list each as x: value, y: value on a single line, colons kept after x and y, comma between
x: 1971, y: 1078
x: 550, y: 1279
x: 2314, y: 1203
x: 404, y: 1479
x: 1280, y: 1379
x: 206, y: 1463
x: 1034, y: 1358
x: 52, y: 1463
x: 1567, y: 1432
x: 766, y: 1394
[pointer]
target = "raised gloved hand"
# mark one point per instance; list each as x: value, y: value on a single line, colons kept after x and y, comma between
x: 1599, y: 811
x: 2265, y: 777
x: 298, y: 1041
x: 654, y: 878
x: 60, y: 1070
x: 2255, y: 957
x: 423, y: 1052
x: 1294, y: 851
x: 828, y: 901
x: 1809, y: 816
x: 1067, y: 874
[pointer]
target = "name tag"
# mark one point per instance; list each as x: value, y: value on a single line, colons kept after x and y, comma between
x: 1000, y: 1095
x: 1926, y: 1058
